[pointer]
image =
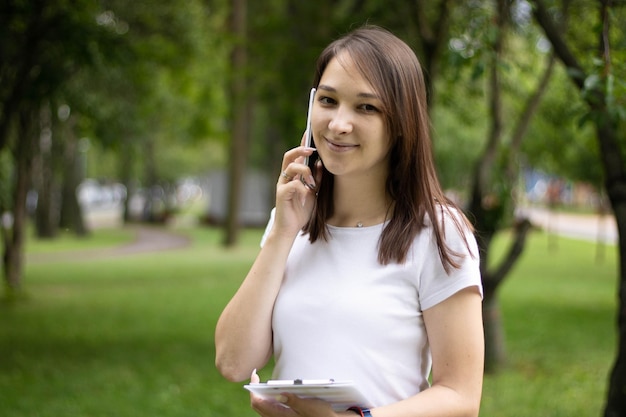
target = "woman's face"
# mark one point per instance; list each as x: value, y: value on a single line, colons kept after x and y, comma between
x: 348, y: 125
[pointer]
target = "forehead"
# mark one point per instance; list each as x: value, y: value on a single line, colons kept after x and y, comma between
x: 341, y: 71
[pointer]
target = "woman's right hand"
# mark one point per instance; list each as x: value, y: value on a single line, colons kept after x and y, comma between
x: 296, y: 192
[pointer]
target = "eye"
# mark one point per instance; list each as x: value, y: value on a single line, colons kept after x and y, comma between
x: 369, y: 108
x: 326, y: 100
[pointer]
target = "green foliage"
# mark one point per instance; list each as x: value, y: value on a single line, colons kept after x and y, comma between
x: 559, y: 144
x: 153, y: 75
x: 155, y: 71
x: 605, y: 94
x: 139, y: 74
x: 459, y: 127
x: 569, y: 144
x: 192, y: 160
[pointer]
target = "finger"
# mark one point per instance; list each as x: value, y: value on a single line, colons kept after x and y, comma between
x: 296, y: 155
x: 306, y: 406
x: 312, y: 181
x: 303, y: 145
x: 285, y: 177
x: 296, y: 195
x: 303, y: 140
x: 271, y: 407
x: 297, y: 170
x: 319, y: 171
x: 254, y: 378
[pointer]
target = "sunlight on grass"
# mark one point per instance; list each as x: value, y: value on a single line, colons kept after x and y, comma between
x: 133, y: 336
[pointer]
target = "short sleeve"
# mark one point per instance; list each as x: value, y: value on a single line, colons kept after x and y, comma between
x: 435, y: 283
x: 270, y: 223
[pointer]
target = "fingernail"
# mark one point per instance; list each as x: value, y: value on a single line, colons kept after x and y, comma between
x: 281, y: 399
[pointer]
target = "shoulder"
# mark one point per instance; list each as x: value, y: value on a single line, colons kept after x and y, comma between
x: 452, y: 223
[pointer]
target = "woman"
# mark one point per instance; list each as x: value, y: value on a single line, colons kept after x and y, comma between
x: 366, y: 272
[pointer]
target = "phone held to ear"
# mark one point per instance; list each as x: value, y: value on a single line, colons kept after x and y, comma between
x: 312, y: 159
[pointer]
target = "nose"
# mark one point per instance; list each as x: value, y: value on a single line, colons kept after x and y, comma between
x: 341, y: 121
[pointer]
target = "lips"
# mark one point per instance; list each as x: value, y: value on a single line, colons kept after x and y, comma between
x: 340, y: 147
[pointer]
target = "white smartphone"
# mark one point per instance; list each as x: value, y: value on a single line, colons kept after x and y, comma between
x: 310, y: 160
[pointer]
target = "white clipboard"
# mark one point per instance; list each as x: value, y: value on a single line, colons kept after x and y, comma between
x: 340, y: 394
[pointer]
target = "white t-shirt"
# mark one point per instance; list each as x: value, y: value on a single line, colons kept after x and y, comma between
x: 342, y: 315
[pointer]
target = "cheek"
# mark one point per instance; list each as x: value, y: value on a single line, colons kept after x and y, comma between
x: 382, y: 137
x: 319, y: 124
x: 319, y: 119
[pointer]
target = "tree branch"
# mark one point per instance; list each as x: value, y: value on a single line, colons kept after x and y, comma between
x: 433, y: 38
x: 486, y: 162
x: 553, y: 33
x: 521, y: 229
x: 530, y: 108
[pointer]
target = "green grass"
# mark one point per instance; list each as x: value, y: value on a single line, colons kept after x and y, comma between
x: 69, y: 242
x: 133, y: 336
x: 558, y: 309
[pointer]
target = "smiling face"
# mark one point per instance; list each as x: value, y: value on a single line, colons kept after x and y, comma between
x: 348, y: 124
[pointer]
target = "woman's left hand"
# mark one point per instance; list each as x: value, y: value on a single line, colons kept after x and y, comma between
x: 289, y: 405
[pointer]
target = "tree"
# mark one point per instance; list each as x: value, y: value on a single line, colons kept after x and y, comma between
x: 52, y: 54
x: 494, y: 180
x: 600, y: 81
x: 485, y: 39
x: 240, y: 102
x: 15, y: 237
x: 37, y: 55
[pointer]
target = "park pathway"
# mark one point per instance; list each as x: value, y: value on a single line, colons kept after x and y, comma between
x: 590, y: 227
x: 147, y: 239
x: 158, y: 238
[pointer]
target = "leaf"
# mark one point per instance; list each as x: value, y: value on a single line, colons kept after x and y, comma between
x: 584, y: 120
x: 478, y: 70
x: 592, y: 82
x: 575, y: 73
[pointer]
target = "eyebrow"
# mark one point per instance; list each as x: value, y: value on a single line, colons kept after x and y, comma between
x: 334, y: 90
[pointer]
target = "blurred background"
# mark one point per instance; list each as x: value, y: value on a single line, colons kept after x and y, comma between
x: 166, y: 121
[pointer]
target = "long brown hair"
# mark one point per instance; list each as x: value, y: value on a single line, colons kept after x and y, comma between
x: 393, y: 70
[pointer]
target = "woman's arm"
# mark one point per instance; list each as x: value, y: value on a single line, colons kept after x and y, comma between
x: 455, y: 333
x: 243, y: 335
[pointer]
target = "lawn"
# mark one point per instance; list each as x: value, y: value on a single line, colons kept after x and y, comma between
x: 133, y: 336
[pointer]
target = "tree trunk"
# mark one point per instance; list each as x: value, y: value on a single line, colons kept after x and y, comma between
x: 433, y: 39
x: 14, y: 243
x: 612, y: 157
x: 239, y: 121
x: 71, y: 216
x: 126, y: 176
x: 46, y: 213
x: 616, y: 395
x: 495, y: 350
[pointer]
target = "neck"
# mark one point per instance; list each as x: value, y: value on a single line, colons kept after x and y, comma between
x: 358, y: 203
